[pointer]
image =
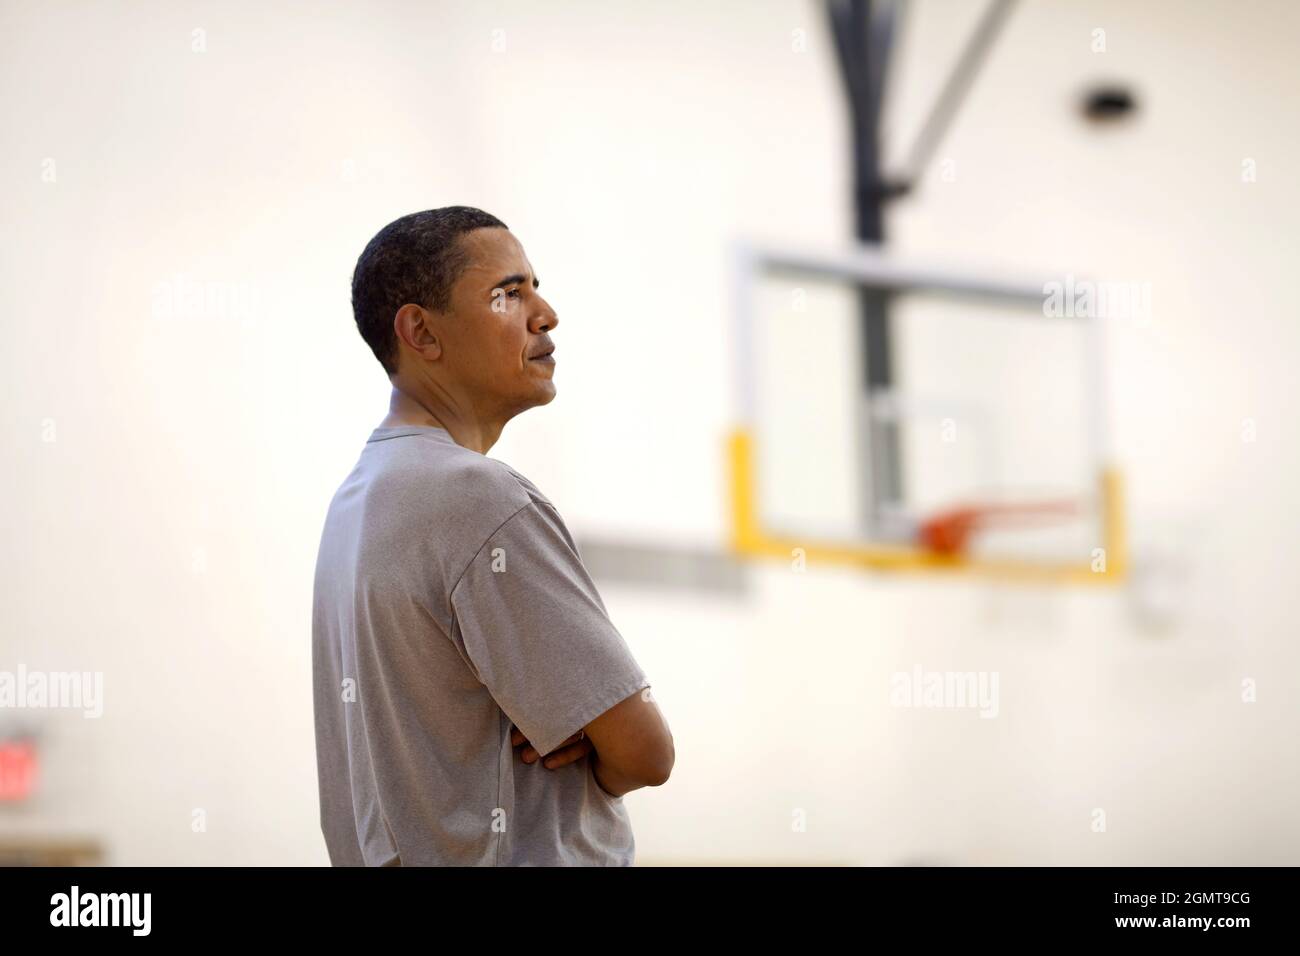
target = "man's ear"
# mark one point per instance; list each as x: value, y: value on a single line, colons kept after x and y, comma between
x: 413, y: 326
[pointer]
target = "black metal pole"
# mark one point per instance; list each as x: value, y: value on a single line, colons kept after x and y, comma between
x: 862, y: 43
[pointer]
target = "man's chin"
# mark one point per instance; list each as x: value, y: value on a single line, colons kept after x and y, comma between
x: 543, y: 394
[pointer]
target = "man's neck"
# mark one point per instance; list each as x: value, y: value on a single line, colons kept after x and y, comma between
x: 404, y: 409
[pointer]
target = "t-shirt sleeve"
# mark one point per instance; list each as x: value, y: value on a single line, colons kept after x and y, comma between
x: 528, y: 620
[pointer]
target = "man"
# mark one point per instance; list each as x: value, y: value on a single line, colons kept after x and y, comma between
x: 453, y: 619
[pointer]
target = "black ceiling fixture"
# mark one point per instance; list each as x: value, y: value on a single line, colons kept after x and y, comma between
x: 1108, y: 102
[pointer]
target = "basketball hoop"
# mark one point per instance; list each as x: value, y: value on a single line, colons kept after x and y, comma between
x: 949, y: 532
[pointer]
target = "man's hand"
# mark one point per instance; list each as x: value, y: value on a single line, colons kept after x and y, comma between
x: 575, y: 748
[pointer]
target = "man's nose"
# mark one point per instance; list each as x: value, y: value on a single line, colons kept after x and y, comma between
x: 546, y: 319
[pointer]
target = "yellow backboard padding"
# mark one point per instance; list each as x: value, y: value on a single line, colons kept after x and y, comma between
x: 749, y: 539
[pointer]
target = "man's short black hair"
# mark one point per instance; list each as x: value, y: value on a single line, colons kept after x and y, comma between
x: 417, y: 258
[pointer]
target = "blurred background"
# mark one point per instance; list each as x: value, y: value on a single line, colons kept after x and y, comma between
x: 185, y: 188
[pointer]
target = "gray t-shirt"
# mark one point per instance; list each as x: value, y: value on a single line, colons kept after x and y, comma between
x: 451, y: 601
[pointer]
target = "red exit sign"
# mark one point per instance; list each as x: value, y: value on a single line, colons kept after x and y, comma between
x: 17, y: 770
